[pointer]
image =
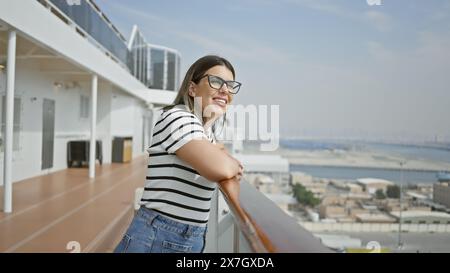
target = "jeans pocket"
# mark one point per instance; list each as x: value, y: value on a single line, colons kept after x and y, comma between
x: 134, y: 245
x: 172, y: 247
x: 204, y: 243
x: 122, y: 247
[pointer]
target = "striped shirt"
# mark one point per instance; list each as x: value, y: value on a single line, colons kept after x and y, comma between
x: 173, y: 188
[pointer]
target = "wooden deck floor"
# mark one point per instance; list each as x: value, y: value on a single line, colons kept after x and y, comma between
x: 53, y: 210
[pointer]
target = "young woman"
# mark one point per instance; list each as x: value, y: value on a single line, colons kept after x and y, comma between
x: 186, y: 163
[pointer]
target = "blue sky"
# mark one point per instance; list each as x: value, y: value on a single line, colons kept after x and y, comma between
x: 337, y: 68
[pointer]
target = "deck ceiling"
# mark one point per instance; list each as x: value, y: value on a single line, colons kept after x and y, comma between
x: 47, y: 61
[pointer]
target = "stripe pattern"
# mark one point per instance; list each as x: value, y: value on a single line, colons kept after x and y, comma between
x: 173, y: 188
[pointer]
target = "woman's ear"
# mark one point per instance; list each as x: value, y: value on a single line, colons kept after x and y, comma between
x: 191, y: 90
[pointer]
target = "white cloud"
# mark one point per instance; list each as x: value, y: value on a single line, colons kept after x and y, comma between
x: 136, y: 12
x: 442, y: 14
x: 379, y: 20
x: 379, y: 52
x: 324, y: 6
x: 219, y: 42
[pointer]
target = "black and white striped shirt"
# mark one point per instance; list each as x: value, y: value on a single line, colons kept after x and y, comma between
x: 172, y: 186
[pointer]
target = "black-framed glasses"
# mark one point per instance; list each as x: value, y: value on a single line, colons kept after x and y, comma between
x: 217, y: 82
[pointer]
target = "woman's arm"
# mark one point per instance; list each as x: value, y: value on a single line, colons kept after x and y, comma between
x: 209, y: 160
x: 241, y: 167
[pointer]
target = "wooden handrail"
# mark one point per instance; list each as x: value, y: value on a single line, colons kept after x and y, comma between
x: 230, y: 189
x: 264, y: 225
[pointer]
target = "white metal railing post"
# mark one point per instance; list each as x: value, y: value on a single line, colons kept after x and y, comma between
x: 212, y: 236
x: 9, y: 118
x: 236, y: 234
x: 92, y: 145
x: 216, y: 220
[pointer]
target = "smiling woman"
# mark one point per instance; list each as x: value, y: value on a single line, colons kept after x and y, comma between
x: 185, y: 164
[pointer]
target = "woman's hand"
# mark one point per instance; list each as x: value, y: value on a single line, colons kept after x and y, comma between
x: 231, y: 189
x: 241, y: 167
x: 220, y: 145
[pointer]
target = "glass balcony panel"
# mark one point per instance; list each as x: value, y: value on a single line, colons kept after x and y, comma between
x: 88, y: 19
x: 171, y: 71
x: 157, y: 67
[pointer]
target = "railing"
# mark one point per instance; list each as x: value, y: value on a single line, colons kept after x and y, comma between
x: 155, y: 66
x: 258, y: 224
x: 91, y: 23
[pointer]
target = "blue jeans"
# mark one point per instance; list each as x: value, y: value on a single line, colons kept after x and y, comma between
x: 152, y: 232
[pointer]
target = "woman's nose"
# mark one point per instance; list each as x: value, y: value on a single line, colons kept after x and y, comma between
x: 224, y: 88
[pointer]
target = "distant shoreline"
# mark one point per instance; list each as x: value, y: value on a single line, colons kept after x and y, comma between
x: 368, y: 167
x: 367, y: 155
x: 354, y: 173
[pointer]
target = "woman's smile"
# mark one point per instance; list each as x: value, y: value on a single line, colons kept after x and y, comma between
x: 221, y: 101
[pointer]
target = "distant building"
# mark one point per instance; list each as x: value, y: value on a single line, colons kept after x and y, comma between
x: 332, y: 212
x: 392, y: 204
x: 376, y: 217
x: 358, y: 196
x: 317, y: 187
x: 422, y: 217
x: 441, y: 194
x: 338, y: 184
x: 301, y: 178
x: 355, y: 188
x: 369, y: 206
x: 273, y: 166
x: 339, y: 242
x: 433, y: 205
x: 355, y: 211
x: 371, y: 185
x: 416, y: 196
x: 265, y: 184
x: 312, y: 215
x: 333, y: 200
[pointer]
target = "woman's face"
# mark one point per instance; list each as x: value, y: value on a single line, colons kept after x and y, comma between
x: 214, y: 101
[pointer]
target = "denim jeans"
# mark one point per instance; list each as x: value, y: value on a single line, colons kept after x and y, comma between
x: 152, y: 232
